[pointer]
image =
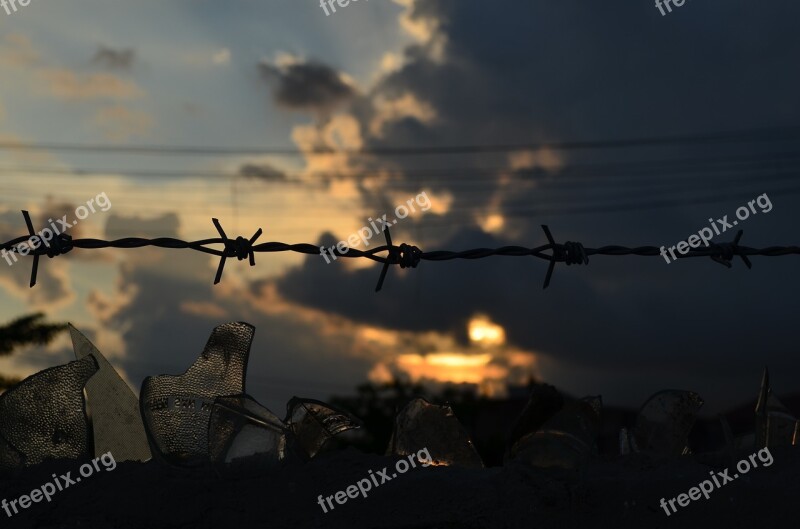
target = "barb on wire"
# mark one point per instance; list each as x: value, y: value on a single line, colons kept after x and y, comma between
x: 404, y: 255
x: 726, y: 250
x: 61, y: 244
x: 239, y: 248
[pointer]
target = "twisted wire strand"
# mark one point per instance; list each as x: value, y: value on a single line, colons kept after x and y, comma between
x: 403, y: 255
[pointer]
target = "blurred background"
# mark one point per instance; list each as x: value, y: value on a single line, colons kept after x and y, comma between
x: 506, y: 114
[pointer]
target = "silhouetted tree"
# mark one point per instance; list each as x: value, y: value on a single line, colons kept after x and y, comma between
x: 26, y: 330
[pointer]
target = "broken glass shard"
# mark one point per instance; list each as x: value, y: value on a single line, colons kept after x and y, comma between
x: 314, y: 423
x: 567, y: 440
x: 241, y: 428
x: 177, y: 409
x: 424, y: 425
x: 775, y: 424
x: 44, y: 416
x: 780, y: 424
x: 114, y: 409
x: 543, y: 403
x: 664, y: 422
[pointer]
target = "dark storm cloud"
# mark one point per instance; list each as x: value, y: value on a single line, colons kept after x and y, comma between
x: 115, y: 59
x: 306, y: 85
x: 520, y: 72
x: 616, y: 71
x: 262, y: 171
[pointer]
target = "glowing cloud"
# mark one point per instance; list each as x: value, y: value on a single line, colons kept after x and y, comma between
x: 485, y: 333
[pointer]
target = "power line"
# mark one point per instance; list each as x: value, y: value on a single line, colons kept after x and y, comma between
x: 550, y: 206
x: 657, y: 167
x: 756, y: 135
x: 693, y: 178
x: 635, y: 206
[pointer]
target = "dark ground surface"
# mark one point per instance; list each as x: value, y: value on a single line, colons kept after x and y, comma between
x: 619, y: 493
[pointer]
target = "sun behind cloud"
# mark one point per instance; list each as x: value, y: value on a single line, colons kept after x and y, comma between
x: 487, y: 363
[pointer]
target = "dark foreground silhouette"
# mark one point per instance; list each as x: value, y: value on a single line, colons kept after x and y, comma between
x: 619, y: 492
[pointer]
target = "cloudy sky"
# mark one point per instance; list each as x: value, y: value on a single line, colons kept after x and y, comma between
x: 255, y: 90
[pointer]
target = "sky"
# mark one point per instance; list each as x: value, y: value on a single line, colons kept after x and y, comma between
x: 255, y: 90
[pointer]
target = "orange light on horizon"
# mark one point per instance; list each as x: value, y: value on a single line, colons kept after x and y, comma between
x: 485, y: 333
x: 450, y: 367
x: 486, y: 362
x: 458, y: 360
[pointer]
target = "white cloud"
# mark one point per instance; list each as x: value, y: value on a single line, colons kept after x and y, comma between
x: 222, y: 56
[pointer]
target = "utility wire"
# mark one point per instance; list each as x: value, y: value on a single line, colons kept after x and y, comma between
x: 607, y: 175
x: 549, y: 187
x: 755, y: 134
x: 458, y: 175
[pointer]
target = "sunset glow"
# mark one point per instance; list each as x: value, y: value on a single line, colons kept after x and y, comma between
x: 487, y: 362
x: 450, y: 367
x: 485, y: 333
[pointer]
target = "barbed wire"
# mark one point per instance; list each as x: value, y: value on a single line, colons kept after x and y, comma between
x: 403, y: 255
